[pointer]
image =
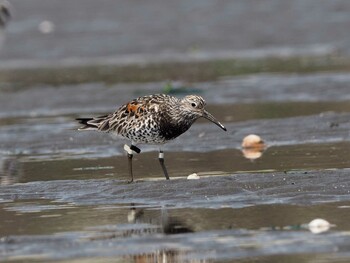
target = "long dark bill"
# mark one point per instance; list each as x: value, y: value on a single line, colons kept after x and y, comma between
x: 210, y: 117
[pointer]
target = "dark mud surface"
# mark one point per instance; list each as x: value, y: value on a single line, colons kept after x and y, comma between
x: 64, y: 196
x: 226, y: 217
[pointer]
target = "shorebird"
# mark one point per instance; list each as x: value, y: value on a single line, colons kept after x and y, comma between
x: 5, y: 15
x: 153, y: 119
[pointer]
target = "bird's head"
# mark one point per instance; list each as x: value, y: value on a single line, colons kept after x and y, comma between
x: 194, y: 107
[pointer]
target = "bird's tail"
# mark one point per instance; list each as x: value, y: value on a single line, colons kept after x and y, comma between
x: 86, y: 124
x: 92, y: 124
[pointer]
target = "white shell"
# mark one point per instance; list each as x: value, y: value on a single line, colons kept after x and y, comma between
x: 193, y: 176
x: 319, y: 225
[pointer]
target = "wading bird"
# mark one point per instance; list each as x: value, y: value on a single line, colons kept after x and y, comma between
x: 154, y: 119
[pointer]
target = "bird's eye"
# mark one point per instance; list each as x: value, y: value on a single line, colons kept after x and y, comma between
x: 193, y: 104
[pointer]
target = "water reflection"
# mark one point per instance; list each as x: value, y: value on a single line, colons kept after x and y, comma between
x: 252, y: 154
x: 5, y: 13
x: 5, y: 16
x: 145, y: 224
x: 10, y: 170
x: 315, y: 226
x: 167, y: 224
x: 165, y: 256
x: 141, y: 233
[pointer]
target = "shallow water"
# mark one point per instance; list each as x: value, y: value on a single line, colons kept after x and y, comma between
x: 180, y: 164
x: 64, y: 196
x: 235, y: 216
x: 63, y: 193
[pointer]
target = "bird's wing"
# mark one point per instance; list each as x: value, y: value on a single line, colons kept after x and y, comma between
x: 133, y: 112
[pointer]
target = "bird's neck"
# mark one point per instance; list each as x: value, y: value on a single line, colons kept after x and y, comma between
x: 177, y: 122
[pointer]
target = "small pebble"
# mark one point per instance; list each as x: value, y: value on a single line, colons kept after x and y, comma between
x: 193, y: 176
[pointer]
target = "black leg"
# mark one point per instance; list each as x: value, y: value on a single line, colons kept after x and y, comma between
x: 161, y: 161
x: 129, y: 151
x: 130, y: 167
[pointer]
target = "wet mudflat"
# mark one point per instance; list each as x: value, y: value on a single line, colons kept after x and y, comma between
x: 64, y: 196
x: 63, y: 193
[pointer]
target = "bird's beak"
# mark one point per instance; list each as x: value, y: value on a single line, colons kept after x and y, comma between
x: 210, y: 117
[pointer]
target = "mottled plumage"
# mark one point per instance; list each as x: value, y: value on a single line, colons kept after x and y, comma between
x: 154, y: 119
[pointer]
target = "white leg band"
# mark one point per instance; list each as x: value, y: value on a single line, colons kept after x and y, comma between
x: 161, y: 155
x: 127, y: 149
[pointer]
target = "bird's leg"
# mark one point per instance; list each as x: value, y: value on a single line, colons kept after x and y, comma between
x: 129, y: 151
x: 130, y: 167
x: 161, y: 161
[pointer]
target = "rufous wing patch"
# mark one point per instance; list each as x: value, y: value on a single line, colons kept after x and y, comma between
x: 135, y: 109
x: 132, y: 107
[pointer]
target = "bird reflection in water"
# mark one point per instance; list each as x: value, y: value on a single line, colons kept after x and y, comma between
x: 5, y: 15
x: 10, y: 171
x: 149, y: 223
x: 167, y: 225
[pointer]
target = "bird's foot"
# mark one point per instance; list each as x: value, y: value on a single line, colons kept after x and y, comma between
x: 130, y: 181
